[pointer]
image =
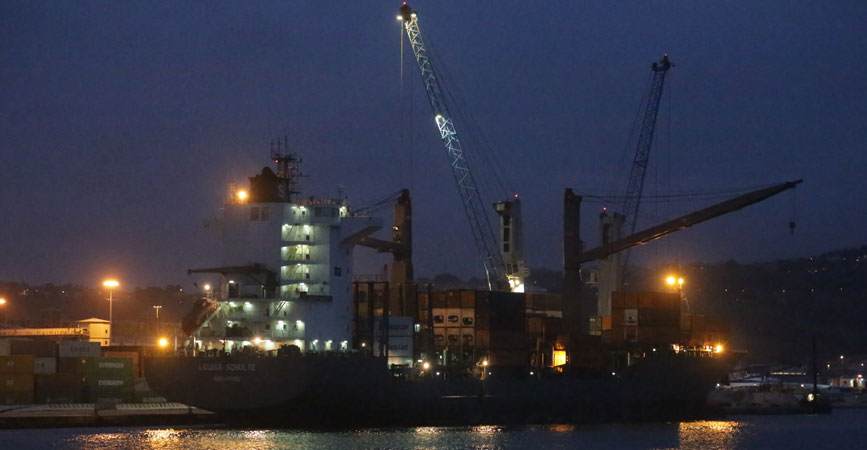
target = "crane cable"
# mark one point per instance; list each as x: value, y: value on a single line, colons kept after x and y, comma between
x: 493, y: 179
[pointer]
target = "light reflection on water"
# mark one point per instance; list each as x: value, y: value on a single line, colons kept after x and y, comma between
x: 710, y: 434
x: 840, y: 430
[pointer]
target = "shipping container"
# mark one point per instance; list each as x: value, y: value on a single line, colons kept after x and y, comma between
x: 439, y: 299
x: 16, y: 382
x: 17, y: 398
x: 468, y: 299
x: 43, y: 365
x: 134, y: 356
x: 78, y: 349
x: 440, y: 337
x: 112, y: 376
x: 397, y: 326
x: 453, y: 317
x: 453, y: 299
x: 468, y: 317
x: 59, y: 388
x: 483, y: 338
x: 439, y: 317
x: 72, y: 365
x: 453, y: 337
x: 108, y: 383
x: 400, y: 346
x: 16, y: 364
x: 5, y: 347
x: 534, y: 325
x: 111, y: 366
x: 42, y: 349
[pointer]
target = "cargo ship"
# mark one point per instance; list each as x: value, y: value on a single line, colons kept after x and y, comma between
x: 287, y: 334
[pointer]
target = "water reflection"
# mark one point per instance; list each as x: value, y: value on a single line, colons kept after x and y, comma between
x: 486, y: 429
x: 842, y: 429
x: 710, y: 434
x: 162, y: 439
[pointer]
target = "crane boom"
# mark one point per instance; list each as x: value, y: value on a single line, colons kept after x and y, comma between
x: 480, y: 224
x: 686, y: 221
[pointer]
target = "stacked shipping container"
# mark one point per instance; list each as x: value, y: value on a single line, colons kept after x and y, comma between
x: 64, y: 372
x: 651, y: 318
x: 16, y: 379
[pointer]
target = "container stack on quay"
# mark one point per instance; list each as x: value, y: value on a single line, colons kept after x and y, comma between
x: 16, y: 379
x: 49, y: 372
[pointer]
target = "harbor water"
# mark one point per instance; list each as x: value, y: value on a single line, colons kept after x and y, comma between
x: 843, y: 429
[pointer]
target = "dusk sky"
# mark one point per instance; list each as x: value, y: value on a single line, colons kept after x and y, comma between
x: 122, y: 123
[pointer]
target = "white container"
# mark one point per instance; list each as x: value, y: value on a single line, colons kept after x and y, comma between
x: 78, y: 349
x: 44, y: 365
x: 397, y: 326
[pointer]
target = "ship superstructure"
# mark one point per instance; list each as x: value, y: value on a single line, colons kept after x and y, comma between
x: 286, y: 272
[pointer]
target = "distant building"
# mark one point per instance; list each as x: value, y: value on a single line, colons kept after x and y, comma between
x: 98, y: 330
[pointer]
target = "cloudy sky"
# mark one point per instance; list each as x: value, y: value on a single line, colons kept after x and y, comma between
x: 122, y: 123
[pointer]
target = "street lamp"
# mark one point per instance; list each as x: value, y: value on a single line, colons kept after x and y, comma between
x: 157, y: 310
x: 3, y: 304
x: 110, y: 284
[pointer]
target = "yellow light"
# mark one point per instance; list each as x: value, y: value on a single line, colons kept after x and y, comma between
x: 2, y: 301
x: 257, y: 340
x: 718, y: 348
x: 425, y: 366
x: 680, y: 282
x: 485, y: 363
x: 207, y: 287
x: 242, y: 195
x: 110, y: 283
x: 164, y: 342
x: 559, y: 357
x: 671, y: 280
x: 399, y: 17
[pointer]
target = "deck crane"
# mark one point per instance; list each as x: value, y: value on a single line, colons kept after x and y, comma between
x: 613, y: 268
x: 480, y: 224
x: 574, y: 254
x: 635, y: 185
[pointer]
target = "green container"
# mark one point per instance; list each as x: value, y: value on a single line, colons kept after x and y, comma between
x: 110, y: 394
x: 111, y: 382
x: 99, y: 366
x: 72, y: 365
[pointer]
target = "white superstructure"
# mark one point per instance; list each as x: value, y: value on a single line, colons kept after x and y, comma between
x: 285, y: 276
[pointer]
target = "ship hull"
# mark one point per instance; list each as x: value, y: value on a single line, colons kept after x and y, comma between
x: 338, y: 392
